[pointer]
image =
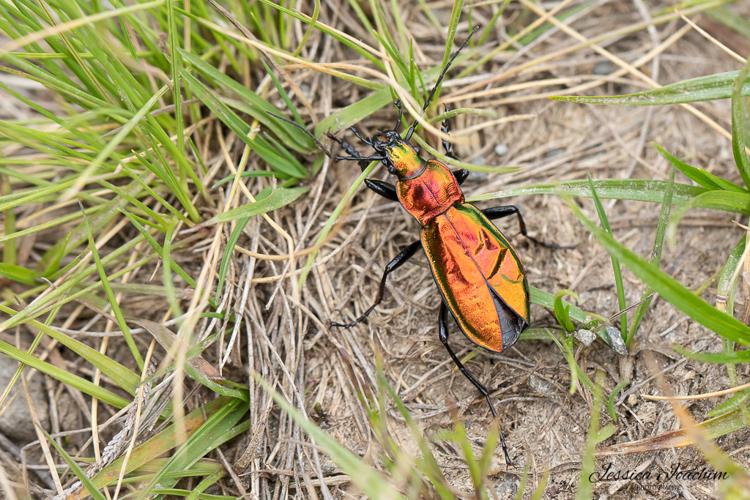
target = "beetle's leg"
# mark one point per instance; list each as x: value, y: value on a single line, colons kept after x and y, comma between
x: 459, y: 174
x: 394, y: 264
x: 447, y: 145
x: 361, y: 159
x: 351, y: 151
x: 400, y: 109
x: 443, y: 333
x: 384, y: 189
x: 506, y: 210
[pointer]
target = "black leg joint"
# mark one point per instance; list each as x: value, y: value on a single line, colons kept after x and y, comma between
x: 506, y: 210
x: 384, y: 189
x: 443, y: 334
x: 394, y: 264
x: 460, y: 175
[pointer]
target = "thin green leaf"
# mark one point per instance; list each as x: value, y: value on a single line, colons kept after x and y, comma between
x: 63, y: 376
x: 661, y: 230
x: 19, y: 274
x: 367, y: 479
x: 274, y: 159
x: 114, y: 304
x: 218, y: 428
x: 698, y: 175
x: 79, y: 473
x: 355, y: 112
x: 562, y: 310
x: 228, y: 252
x: 277, y: 198
x: 704, y: 88
x: 616, y: 270
x: 741, y: 125
x: 630, y: 189
x: 669, y: 288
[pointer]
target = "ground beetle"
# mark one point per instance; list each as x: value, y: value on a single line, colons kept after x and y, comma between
x: 480, y: 277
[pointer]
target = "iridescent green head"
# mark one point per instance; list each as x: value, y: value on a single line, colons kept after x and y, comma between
x: 401, y: 158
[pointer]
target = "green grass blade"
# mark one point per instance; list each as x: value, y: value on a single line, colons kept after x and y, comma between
x: 629, y: 189
x: 148, y: 452
x: 669, y: 288
x: 616, y: 269
x: 741, y: 125
x: 704, y: 88
x: 256, y: 106
x: 274, y: 159
x: 77, y: 470
x: 354, y: 113
x: 117, y: 373
x: 17, y: 273
x: 698, y: 175
x: 114, y: 142
x: 367, y: 479
x: 273, y: 200
x: 63, y: 376
x: 661, y: 230
x: 228, y: 252
x: 114, y: 304
x: 218, y: 428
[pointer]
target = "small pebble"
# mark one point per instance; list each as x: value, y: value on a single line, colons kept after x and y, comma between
x: 616, y: 342
x: 585, y: 337
x: 15, y: 421
x: 603, y: 68
x: 554, y: 152
x: 507, y: 488
x: 541, y: 386
x: 501, y: 149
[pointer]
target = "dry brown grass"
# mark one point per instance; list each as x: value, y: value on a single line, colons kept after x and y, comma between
x: 610, y: 47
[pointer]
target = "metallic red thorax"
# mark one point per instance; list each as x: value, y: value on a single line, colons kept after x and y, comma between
x: 478, y: 273
x: 426, y: 189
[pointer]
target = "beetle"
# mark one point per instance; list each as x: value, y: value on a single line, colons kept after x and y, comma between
x: 479, y: 275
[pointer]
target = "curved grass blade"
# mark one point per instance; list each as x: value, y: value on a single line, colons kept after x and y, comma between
x: 254, y: 105
x: 704, y: 88
x: 17, y: 273
x: 629, y: 189
x: 367, y: 479
x: 669, y: 288
x: 616, y: 269
x: 114, y: 371
x: 661, y: 231
x: 741, y: 125
x: 698, y: 175
x: 217, y: 429
x: 547, y: 300
x: 275, y: 159
x: 275, y: 199
x: 63, y: 376
x: 91, y: 489
x: 354, y: 113
x: 150, y: 450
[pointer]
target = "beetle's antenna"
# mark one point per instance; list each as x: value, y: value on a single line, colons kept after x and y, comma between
x: 307, y: 132
x: 440, y: 80
x: 359, y: 135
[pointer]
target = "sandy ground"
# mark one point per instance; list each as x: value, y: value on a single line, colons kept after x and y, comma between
x: 323, y: 371
x: 546, y: 425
